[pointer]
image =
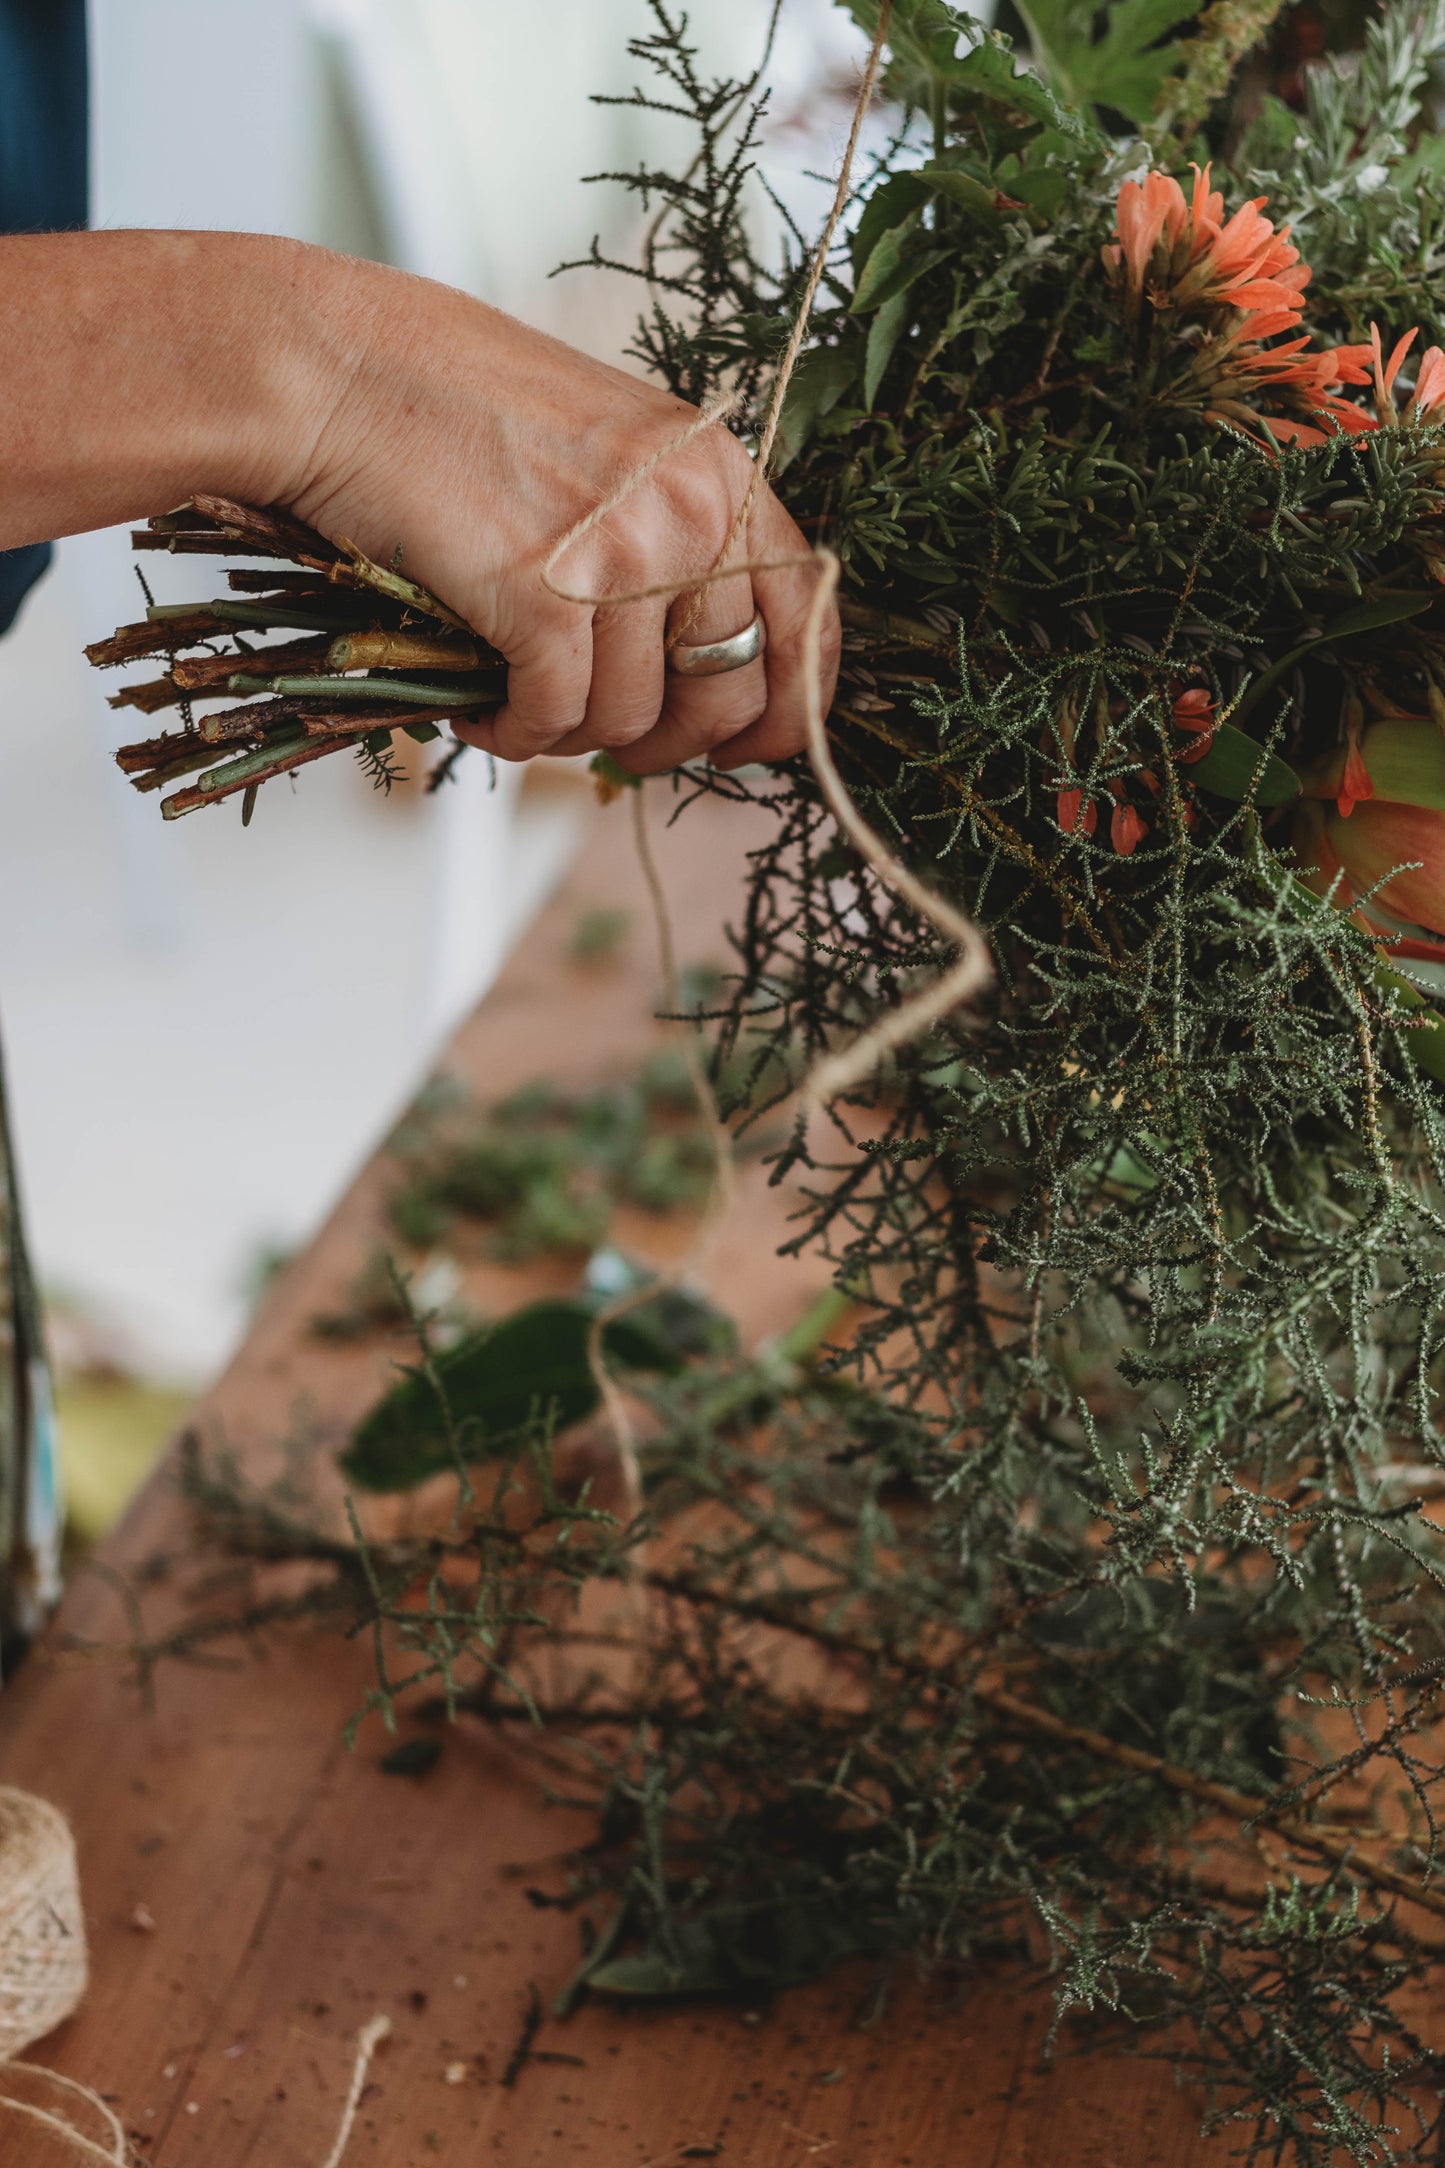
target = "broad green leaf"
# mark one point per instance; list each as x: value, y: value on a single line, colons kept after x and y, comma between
x: 819, y: 382
x: 883, y: 335
x: 1405, y: 759
x: 993, y: 74
x: 887, y: 207
x: 930, y: 43
x: 531, y: 1368
x: 885, y: 260
x: 1364, y: 617
x: 889, y: 273
x: 1124, y: 68
x: 1238, y: 767
x: 1048, y: 169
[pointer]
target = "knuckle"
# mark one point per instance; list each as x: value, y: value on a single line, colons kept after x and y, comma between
x: 536, y: 731
x: 623, y: 729
x: 703, y: 493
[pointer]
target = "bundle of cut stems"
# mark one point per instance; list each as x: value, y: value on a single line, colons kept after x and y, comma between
x: 369, y: 653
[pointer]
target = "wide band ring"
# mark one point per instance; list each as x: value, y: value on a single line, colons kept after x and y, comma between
x: 710, y: 658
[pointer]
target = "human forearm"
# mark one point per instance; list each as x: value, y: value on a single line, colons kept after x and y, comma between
x: 137, y: 368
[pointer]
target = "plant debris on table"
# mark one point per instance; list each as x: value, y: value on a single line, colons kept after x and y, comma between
x: 544, y: 1169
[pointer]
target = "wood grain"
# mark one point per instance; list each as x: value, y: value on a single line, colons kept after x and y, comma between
x: 295, y: 1889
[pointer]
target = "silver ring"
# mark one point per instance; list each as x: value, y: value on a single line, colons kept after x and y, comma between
x: 709, y: 658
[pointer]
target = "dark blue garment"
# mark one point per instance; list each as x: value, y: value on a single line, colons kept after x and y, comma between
x: 44, y: 169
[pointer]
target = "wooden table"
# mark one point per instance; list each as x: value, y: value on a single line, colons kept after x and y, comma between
x: 256, y: 1891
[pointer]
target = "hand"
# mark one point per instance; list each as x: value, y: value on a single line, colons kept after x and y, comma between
x: 476, y: 443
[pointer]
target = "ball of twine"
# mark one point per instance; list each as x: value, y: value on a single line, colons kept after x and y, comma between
x: 42, y: 1928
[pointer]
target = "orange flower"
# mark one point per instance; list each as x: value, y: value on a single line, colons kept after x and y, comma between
x: 1384, y: 835
x: 1247, y: 282
x: 1429, y: 385
x: 1141, y: 214
x: 1127, y: 829
x: 1355, y: 784
x: 1248, y: 266
x: 1429, y: 381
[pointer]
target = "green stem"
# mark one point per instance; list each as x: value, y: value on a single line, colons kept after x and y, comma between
x: 823, y: 1313
x: 238, y: 771
x: 486, y: 690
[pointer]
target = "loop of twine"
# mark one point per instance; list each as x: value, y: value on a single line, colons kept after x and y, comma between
x: 57, y: 2121
x: 971, y: 970
x: 838, y: 1071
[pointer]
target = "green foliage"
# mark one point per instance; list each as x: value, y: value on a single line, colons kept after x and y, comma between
x: 544, y: 1170
x: 528, y: 1375
x: 1124, y: 69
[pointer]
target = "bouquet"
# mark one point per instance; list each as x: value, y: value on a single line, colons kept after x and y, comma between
x: 1087, y: 1601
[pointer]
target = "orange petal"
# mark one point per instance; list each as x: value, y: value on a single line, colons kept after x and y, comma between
x: 1402, y: 348
x: 1076, y: 812
x: 1194, y: 709
x: 1127, y: 829
x: 1430, y: 383
x: 1355, y: 785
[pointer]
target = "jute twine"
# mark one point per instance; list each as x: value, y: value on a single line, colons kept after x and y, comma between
x: 972, y: 966
x: 43, y: 1974
x: 42, y: 1928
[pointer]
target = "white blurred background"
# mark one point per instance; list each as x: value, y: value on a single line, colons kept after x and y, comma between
x: 206, y: 1029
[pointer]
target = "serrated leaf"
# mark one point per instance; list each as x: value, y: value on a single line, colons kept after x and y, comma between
x: 531, y: 1368
x: 931, y: 43
x: 1238, y: 767
x: 1124, y: 68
